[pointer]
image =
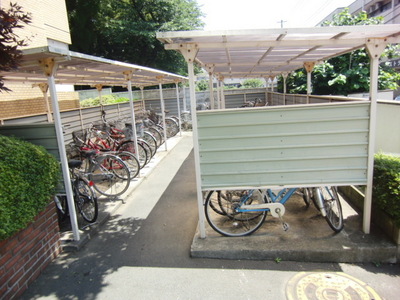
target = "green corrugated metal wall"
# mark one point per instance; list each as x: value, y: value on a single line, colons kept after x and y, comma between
x: 293, y: 146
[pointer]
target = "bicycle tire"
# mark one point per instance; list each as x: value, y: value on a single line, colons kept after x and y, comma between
x: 172, y: 127
x: 110, y: 175
x: 130, y: 147
x: 151, y: 140
x: 131, y: 161
x: 146, y: 146
x: 334, y: 214
x: 86, y: 200
x: 157, y: 135
x: 223, y: 217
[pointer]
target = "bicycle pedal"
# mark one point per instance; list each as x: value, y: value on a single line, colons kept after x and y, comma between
x: 285, y: 226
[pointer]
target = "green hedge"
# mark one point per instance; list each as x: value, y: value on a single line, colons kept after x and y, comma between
x: 386, y: 186
x: 106, y: 99
x: 28, y: 177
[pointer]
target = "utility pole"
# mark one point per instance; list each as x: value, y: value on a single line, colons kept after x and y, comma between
x: 281, y: 21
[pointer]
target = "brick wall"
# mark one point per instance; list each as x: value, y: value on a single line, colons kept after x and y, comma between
x: 26, y: 254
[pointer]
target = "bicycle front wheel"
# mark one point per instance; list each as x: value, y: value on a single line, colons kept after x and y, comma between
x: 86, y: 201
x: 141, y: 155
x: 223, y: 215
x: 110, y: 175
x: 334, y: 215
x: 131, y: 161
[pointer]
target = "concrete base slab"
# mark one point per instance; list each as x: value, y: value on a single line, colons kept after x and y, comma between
x: 309, y: 239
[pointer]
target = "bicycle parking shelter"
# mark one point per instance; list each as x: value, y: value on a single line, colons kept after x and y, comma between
x: 47, y: 66
x: 282, y: 146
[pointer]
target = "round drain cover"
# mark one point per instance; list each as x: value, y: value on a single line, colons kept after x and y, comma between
x: 328, y: 286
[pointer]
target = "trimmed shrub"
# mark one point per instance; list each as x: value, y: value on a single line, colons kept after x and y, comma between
x: 28, y: 177
x: 386, y: 186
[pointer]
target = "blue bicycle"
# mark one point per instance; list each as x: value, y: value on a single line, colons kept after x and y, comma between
x: 241, y: 212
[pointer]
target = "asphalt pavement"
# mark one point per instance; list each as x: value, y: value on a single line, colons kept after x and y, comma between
x: 142, y: 250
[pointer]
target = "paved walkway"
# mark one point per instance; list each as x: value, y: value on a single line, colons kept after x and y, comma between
x: 143, y: 251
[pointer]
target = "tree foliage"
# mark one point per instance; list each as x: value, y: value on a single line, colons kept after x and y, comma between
x: 348, y: 73
x: 125, y: 30
x: 10, y: 54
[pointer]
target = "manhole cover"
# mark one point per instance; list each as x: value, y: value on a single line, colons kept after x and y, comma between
x: 328, y: 286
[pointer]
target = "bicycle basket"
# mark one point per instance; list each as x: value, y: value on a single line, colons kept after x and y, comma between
x: 79, y: 137
x: 101, y: 126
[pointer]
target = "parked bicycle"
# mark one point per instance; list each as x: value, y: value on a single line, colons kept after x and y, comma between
x: 171, y: 123
x: 109, y: 173
x: 84, y: 196
x: 241, y: 212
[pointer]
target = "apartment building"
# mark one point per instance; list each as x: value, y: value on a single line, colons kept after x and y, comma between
x: 49, y: 27
x: 388, y: 9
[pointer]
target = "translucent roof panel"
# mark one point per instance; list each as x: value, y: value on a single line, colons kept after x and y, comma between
x: 271, y: 52
x: 81, y: 69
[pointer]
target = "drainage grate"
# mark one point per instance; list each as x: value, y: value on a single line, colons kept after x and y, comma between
x: 328, y: 286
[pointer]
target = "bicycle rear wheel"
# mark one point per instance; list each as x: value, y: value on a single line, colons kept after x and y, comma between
x: 221, y: 210
x: 86, y: 201
x: 172, y: 127
x: 334, y: 215
x: 110, y: 176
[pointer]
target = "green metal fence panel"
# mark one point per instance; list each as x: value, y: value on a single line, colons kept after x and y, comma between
x: 38, y: 134
x: 293, y: 146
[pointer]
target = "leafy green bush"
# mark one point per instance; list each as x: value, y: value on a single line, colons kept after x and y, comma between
x: 386, y: 187
x: 28, y: 177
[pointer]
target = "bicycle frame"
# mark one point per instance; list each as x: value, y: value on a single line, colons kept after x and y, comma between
x: 281, y: 197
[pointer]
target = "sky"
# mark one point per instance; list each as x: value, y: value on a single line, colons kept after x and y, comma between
x: 260, y: 14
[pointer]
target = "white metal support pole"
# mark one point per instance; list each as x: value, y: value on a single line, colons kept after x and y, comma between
x: 309, y: 66
x: 179, y: 106
x: 272, y: 89
x: 160, y: 78
x: 49, y: 67
x: 128, y: 78
x: 99, y: 88
x: 190, y: 55
x: 218, y: 94
x: 142, y: 94
x: 375, y: 48
x: 211, y: 86
x: 222, y: 93
x: 284, y: 77
x: 272, y: 83
x: 184, y: 98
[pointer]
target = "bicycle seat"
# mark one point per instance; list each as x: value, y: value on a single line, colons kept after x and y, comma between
x: 89, y: 153
x: 73, y: 163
